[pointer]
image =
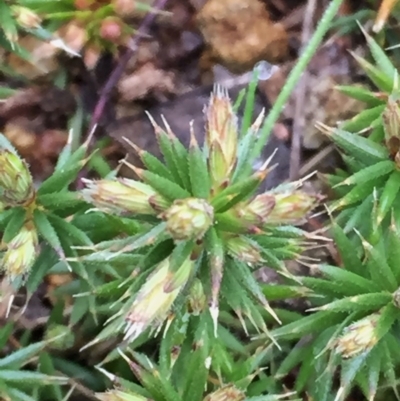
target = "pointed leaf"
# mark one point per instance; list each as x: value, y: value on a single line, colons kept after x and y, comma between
x: 378, y: 77
x: 199, y: 175
x: 389, y: 194
x: 349, y: 257
x: 47, y: 231
x: 308, y: 325
x: 58, y: 200
x: 360, y: 93
x: 15, y: 224
x: 379, y: 269
x: 364, y: 302
x: 170, y: 190
x: 369, y: 173
x: 380, y: 56
x: 68, y: 229
x: 344, y: 277
x: 362, y: 148
x: 20, y: 357
x: 363, y: 120
x: 60, y: 179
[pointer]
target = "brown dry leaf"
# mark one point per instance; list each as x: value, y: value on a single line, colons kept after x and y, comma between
x: 40, y: 147
x: 57, y: 280
x: 240, y: 33
x: 147, y: 79
x: 43, y: 58
x: 20, y: 132
x: 73, y: 35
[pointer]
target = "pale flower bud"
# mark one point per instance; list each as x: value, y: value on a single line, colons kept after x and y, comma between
x: 21, y: 252
x: 188, y: 218
x: 226, y: 393
x: 358, y: 337
x: 123, y: 196
x: 16, y: 186
x: 257, y: 211
x: 155, y: 298
x: 26, y: 17
x: 221, y: 135
x: 119, y: 395
x: 292, y: 207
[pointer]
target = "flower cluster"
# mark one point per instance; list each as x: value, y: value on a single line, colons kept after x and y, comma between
x: 202, y: 200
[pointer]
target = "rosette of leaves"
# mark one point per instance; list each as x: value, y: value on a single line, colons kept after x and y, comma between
x: 350, y: 333
x: 20, y: 377
x: 193, y: 365
x: 370, y: 144
x: 203, y: 218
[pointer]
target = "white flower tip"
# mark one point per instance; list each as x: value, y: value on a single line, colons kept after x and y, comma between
x: 214, y: 312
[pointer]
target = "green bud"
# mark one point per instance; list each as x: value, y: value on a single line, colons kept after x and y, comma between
x: 21, y: 252
x: 226, y: 393
x: 358, y: 337
x: 119, y: 395
x: 188, y: 218
x: 155, y: 298
x: 25, y: 17
x: 16, y: 186
x: 66, y: 337
x: 123, y: 196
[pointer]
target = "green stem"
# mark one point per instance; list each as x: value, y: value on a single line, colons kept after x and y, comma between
x: 322, y: 28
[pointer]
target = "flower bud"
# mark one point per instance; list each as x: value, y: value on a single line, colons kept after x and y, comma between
x: 292, y: 207
x: 257, y: 211
x: 65, y: 338
x: 358, y: 337
x: 16, y: 186
x: 156, y: 297
x: 21, y: 252
x: 119, y: 395
x: 111, y: 29
x: 243, y: 249
x: 226, y: 393
x: 188, y: 218
x: 25, y: 17
x: 123, y: 196
x: 221, y: 135
x: 197, y: 298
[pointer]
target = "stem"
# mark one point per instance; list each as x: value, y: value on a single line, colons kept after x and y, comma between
x: 294, y: 76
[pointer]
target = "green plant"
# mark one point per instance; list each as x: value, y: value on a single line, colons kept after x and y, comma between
x: 155, y: 250
x: 199, y: 368
x: 354, y: 322
x: 201, y: 217
x: 371, y: 183
x: 20, y: 379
